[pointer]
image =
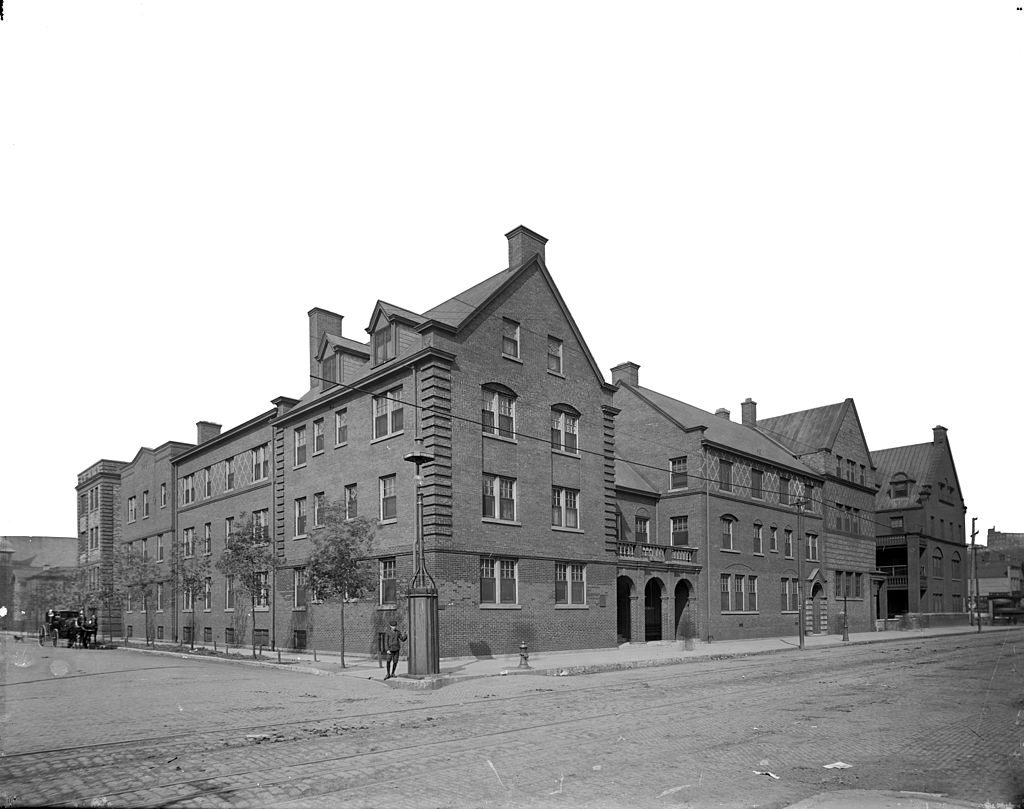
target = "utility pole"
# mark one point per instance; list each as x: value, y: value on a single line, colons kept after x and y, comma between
x: 974, y: 557
x: 800, y: 569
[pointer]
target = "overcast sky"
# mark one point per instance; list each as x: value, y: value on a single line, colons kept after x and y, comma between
x: 797, y: 202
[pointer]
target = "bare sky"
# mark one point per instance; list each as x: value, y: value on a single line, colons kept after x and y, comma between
x: 797, y: 202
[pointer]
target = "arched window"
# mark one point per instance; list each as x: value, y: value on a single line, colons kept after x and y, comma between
x: 955, y: 565
x: 728, y: 523
x: 937, y: 563
x: 565, y: 429
x: 643, y: 525
x: 498, y: 410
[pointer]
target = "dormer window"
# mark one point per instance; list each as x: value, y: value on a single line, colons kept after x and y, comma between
x: 900, y: 488
x: 383, y: 344
x: 328, y: 371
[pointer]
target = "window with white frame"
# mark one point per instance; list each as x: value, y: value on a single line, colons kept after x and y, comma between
x: 725, y: 476
x: 751, y: 605
x: 738, y: 583
x: 758, y: 539
x: 145, y: 504
x: 159, y: 596
x: 388, y: 498
x: 319, y: 501
x: 351, y: 501
x: 387, y: 413
x: 260, y: 464
x: 318, y: 436
x: 207, y: 539
x: 783, y: 491
x: 757, y: 484
x: 499, y: 498
x: 727, y: 524
x: 773, y: 539
x: 188, y: 599
x: 680, y: 530
x: 299, y: 582
x: 262, y: 590
x: 383, y: 343
x: 207, y: 482
x: 790, y: 595
x: 94, y: 538
x: 341, y: 426
x: 300, y: 516
x: 570, y: 583
x: 329, y: 370
x: 163, y: 495
x: 229, y: 527
x: 677, y: 476
x: 565, y: 430
x: 131, y: 509
x: 725, y: 588
x: 159, y: 547
x: 388, y: 581
x: 642, y: 526
x: 207, y: 594
x: 789, y: 543
x: 261, y: 524
x: 509, y: 338
x: 499, y: 581
x: 812, y: 548
x: 565, y: 507
x: 229, y: 474
x: 498, y: 412
x: 299, y: 443
x: 229, y: 592
x: 188, y: 542
x: 145, y: 549
x: 554, y: 355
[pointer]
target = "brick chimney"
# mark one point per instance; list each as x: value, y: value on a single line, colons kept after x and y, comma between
x: 938, y: 434
x: 523, y: 244
x: 749, y: 411
x: 628, y: 372
x: 205, y: 430
x: 320, y: 322
x: 722, y: 413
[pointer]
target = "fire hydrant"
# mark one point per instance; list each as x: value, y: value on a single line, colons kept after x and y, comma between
x: 524, y: 656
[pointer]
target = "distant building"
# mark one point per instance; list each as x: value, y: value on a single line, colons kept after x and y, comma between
x: 1002, y: 541
x: 100, y: 513
x: 921, y: 543
x: 29, y: 567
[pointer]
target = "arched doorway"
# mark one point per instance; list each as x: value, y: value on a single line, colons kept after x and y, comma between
x: 686, y: 625
x: 652, y: 610
x: 817, y: 609
x: 624, y: 595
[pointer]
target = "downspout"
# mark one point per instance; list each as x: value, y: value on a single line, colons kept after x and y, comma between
x: 707, y: 545
x: 174, y: 550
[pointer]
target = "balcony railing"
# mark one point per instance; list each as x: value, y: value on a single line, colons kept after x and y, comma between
x: 680, y: 554
x: 896, y: 575
x: 895, y: 541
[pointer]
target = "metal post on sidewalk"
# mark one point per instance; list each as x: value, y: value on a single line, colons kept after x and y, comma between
x: 800, y: 570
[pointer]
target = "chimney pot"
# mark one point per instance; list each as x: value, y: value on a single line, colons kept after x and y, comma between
x: 749, y: 411
x: 205, y: 430
x: 628, y: 372
x: 722, y: 413
x: 523, y: 244
x: 938, y: 434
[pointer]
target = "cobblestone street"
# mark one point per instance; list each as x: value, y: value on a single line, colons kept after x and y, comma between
x: 117, y: 728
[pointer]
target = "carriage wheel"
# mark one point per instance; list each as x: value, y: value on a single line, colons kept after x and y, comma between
x: 42, y: 635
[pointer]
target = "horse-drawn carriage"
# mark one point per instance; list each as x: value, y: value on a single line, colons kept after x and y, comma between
x: 69, y: 625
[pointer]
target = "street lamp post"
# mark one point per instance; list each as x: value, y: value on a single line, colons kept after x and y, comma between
x: 846, y: 620
x: 424, y: 647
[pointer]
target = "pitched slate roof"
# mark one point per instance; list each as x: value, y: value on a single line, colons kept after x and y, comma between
x: 807, y: 430
x: 914, y: 461
x: 336, y: 341
x: 724, y: 432
x: 629, y: 477
x: 455, y: 311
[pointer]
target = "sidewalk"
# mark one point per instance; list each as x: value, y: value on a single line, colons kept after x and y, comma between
x: 628, y: 656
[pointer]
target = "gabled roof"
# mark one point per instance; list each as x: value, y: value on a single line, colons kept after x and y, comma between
x: 914, y: 461
x: 344, y: 343
x: 723, y: 432
x: 458, y: 310
x: 808, y: 431
x: 627, y: 476
x: 392, y: 312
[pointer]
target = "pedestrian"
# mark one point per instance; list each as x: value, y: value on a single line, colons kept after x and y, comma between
x: 393, y: 639
x: 73, y: 629
x: 92, y: 624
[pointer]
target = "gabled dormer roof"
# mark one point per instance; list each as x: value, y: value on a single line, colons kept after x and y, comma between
x: 814, y: 430
x: 628, y: 476
x: 920, y: 465
x: 331, y: 342
x: 722, y: 432
x: 392, y: 313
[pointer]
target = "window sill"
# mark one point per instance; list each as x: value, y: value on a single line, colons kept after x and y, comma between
x: 566, y: 453
x: 300, y: 465
x: 741, y: 612
x: 387, y: 607
x: 342, y: 444
x: 389, y: 521
x: 729, y: 550
x: 380, y: 438
x: 572, y: 606
x: 559, y: 374
x: 759, y: 553
x: 498, y: 437
x: 262, y: 609
x: 298, y: 609
x: 318, y: 452
x: 505, y: 356
x: 680, y: 489
x: 501, y: 606
x: 493, y: 521
x: 567, y: 530
x: 301, y: 536
x: 207, y: 609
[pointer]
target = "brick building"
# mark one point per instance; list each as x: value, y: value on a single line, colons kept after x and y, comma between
x: 1004, y: 541
x: 831, y: 441
x: 27, y: 567
x: 710, y: 524
x: 920, y: 510
x: 100, y: 515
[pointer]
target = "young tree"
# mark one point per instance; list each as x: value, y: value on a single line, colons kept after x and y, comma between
x: 337, y: 566
x: 248, y: 556
x: 192, y: 573
x: 135, y: 576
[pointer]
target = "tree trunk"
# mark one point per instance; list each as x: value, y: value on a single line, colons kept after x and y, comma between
x: 343, y: 632
x: 253, y: 626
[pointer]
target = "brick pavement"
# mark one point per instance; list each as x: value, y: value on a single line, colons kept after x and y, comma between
x: 689, y: 735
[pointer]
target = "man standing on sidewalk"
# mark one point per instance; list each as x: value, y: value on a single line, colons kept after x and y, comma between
x: 393, y: 639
